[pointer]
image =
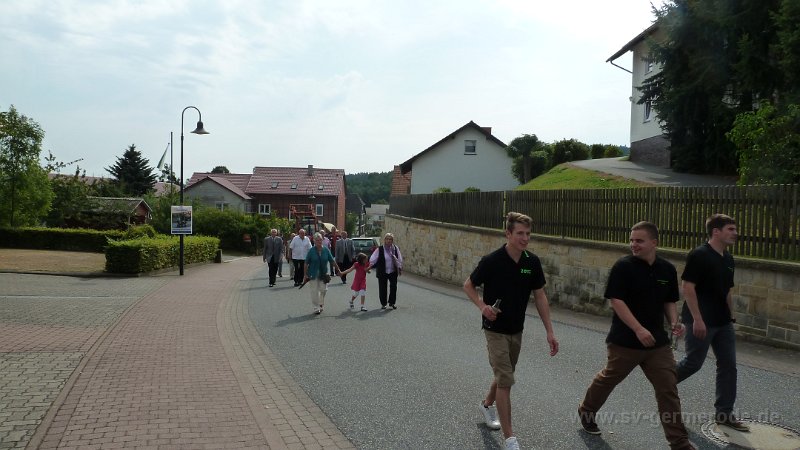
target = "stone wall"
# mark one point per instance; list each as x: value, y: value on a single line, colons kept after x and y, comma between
x: 653, y: 150
x: 766, y: 295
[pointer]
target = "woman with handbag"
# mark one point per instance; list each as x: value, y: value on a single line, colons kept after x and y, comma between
x: 316, y: 272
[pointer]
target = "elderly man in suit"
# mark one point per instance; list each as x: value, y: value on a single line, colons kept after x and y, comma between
x: 345, y: 254
x: 273, y: 249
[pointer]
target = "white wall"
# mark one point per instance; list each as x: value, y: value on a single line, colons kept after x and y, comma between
x: 489, y: 169
x: 639, y: 128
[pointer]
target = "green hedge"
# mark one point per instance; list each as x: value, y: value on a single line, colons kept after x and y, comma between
x: 148, y: 254
x: 67, y: 239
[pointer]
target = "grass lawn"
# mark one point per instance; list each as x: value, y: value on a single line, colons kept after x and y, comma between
x: 566, y: 176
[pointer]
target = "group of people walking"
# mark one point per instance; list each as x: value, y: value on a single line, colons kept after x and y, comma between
x: 334, y: 254
x: 643, y: 290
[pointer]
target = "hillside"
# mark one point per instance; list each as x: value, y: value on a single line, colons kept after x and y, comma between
x: 373, y: 187
x: 565, y: 176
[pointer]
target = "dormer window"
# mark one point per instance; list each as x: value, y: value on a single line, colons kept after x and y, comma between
x: 321, y: 187
x: 294, y: 185
x: 274, y: 185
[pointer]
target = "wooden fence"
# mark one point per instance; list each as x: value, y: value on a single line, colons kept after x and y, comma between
x: 767, y: 216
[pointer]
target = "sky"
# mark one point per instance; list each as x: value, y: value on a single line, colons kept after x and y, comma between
x: 359, y: 85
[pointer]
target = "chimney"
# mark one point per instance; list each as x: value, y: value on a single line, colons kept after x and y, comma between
x: 310, y: 170
x: 487, y: 130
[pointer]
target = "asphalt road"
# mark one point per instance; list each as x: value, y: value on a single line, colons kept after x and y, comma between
x: 412, y: 378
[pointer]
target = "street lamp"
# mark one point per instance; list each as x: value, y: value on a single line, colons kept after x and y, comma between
x: 198, y: 130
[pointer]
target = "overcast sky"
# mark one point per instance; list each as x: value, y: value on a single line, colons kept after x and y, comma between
x: 359, y: 85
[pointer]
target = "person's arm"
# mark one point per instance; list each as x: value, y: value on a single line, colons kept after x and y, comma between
x: 542, y: 306
x: 334, y: 263
x: 729, y: 299
x: 690, y: 295
x: 374, y: 257
x: 264, y: 251
x: 671, y: 312
x: 472, y: 292
x: 626, y: 316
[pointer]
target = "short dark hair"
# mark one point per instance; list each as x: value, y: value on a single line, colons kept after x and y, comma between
x: 649, y: 227
x: 718, y: 222
x: 513, y: 218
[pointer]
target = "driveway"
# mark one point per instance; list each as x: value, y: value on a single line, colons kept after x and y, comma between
x: 651, y: 174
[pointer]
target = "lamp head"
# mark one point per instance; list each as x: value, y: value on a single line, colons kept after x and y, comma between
x: 200, y: 129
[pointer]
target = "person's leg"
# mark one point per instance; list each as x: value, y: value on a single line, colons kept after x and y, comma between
x: 280, y: 267
x: 382, y: 282
x: 723, y: 343
x: 313, y: 285
x: 503, y: 401
x: 323, y: 289
x: 273, y: 270
x: 696, y: 351
x: 659, y: 368
x: 298, y: 271
x: 392, y: 288
x: 619, y: 364
x: 503, y: 352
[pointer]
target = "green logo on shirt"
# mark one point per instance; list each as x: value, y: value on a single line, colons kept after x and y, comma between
x: 662, y: 282
x: 527, y: 271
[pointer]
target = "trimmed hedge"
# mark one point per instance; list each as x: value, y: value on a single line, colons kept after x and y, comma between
x: 148, y: 254
x: 67, y: 239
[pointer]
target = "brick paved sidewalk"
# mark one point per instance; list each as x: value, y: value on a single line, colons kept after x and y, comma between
x: 183, y: 368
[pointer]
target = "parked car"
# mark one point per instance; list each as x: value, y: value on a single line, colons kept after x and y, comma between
x: 365, y: 245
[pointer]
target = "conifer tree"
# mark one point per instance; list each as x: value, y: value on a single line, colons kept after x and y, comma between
x: 133, y: 173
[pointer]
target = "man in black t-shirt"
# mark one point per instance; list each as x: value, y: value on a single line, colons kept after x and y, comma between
x: 708, y: 313
x: 508, y: 275
x: 642, y: 289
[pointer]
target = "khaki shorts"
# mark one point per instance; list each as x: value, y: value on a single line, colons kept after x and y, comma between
x: 503, y: 355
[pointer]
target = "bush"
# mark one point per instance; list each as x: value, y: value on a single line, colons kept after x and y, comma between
x: 148, y: 254
x: 138, y: 231
x: 567, y: 150
x: 231, y: 226
x: 66, y: 239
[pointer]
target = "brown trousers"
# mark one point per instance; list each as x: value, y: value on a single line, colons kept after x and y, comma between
x: 658, y: 366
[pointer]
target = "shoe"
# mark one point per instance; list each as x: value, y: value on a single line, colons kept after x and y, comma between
x: 588, y: 423
x: 351, y: 305
x: 512, y: 443
x: 393, y: 306
x: 383, y: 306
x: 317, y: 310
x: 320, y: 308
x: 489, y: 416
x: 344, y: 281
x: 729, y: 420
x: 280, y: 276
x: 363, y: 309
x: 271, y: 284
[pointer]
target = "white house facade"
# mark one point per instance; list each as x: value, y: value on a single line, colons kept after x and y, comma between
x: 647, y: 141
x: 468, y: 157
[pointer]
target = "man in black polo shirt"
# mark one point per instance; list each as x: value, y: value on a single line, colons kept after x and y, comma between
x: 642, y: 289
x: 708, y: 313
x: 508, y: 276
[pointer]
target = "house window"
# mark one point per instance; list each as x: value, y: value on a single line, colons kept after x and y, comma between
x: 222, y: 206
x: 649, y: 65
x: 648, y: 111
x: 294, y: 185
x: 264, y: 209
x: 274, y: 185
x: 319, y: 210
x: 469, y: 147
x: 321, y: 187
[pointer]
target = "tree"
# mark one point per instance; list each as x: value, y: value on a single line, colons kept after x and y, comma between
x: 716, y: 62
x: 220, y: 169
x: 539, y: 164
x: 372, y: 187
x: 25, y: 193
x: 69, y: 192
x: 522, y: 147
x: 569, y: 150
x: 768, y: 144
x: 133, y: 173
x: 166, y: 175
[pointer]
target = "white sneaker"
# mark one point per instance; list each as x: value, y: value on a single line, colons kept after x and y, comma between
x: 512, y: 443
x: 489, y: 416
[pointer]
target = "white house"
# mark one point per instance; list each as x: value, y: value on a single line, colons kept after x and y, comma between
x: 467, y: 157
x: 648, y: 144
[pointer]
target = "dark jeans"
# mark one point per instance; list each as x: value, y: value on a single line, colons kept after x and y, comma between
x: 299, y: 267
x: 722, y: 340
x: 273, y: 270
x: 391, y: 278
x: 658, y: 366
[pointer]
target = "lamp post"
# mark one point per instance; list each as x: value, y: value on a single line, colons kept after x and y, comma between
x: 198, y: 130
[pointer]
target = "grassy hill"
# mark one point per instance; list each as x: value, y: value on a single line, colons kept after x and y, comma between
x: 566, y: 176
